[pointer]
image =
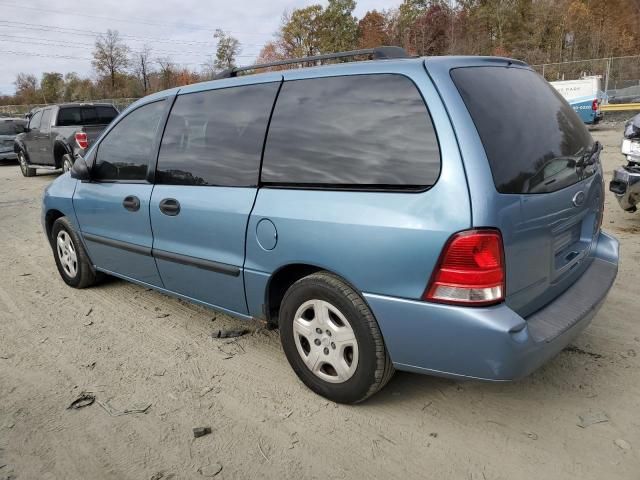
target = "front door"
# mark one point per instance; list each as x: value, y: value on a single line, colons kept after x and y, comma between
x: 42, y: 140
x: 113, y: 208
x: 30, y: 139
x: 206, y: 183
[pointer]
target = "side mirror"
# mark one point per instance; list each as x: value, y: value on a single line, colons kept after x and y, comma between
x: 80, y: 170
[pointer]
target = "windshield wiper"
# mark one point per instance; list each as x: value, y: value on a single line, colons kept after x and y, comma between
x: 590, y: 157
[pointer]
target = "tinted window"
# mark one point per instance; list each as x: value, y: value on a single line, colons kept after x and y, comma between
x: 35, y: 120
x: 106, y: 114
x: 11, y: 127
x: 531, y: 135
x: 86, y: 115
x: 89, y: 116
x: 366, y: 130
x: 216, y: 137
x: 125, y: 152
x: 45, y: 124
x: 69, y: 116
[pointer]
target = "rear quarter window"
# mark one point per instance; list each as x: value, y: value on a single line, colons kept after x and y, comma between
x: 360, y: 131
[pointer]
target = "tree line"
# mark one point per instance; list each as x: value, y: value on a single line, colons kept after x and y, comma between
x: 536, y: 31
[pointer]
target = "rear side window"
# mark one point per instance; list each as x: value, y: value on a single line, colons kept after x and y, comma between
x: 532, y: 137
x: 125, y: 153
x: 354, y: 131
x: 216, y: 137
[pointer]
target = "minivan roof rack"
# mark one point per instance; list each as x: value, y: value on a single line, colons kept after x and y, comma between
x: 378, y: 53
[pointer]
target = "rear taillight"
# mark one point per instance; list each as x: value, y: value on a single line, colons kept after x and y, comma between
x: 81, y: 140
x: 470, y: 270
x: 594, y: 105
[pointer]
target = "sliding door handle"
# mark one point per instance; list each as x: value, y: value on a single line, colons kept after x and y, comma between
x: 170, y: 206
x: 131, y: 203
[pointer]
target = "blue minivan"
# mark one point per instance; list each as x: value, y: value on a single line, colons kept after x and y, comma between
x: 433, y: 215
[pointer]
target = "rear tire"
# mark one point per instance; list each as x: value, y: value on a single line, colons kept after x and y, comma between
x: 332, y: 340
x: 26, y: 170
x: 71, y: 259
x: 67, y: 163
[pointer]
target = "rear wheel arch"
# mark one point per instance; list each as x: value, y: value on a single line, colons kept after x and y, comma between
x: 59, y: 151
x: 283, y: 278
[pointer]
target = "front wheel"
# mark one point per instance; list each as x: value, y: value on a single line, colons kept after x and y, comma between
x: 332, y: 340
x: 26, y: 170
x: 71, y: 259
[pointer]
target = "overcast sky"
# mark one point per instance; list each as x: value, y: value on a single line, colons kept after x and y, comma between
x: 40, y: 36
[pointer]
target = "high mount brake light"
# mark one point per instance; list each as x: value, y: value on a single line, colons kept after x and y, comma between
x: 470, y: 270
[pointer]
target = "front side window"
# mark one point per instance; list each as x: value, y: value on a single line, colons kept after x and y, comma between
x: 362, y: 131
x: 216, y: 137
x: 34, y: 123
x: 125, y: 153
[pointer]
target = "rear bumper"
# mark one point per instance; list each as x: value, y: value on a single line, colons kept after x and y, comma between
x: 492, y: 343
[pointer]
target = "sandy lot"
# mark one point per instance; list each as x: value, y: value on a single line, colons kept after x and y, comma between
x: 135, y: 348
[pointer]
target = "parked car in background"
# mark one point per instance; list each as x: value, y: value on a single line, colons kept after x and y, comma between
x: 56, y: 133
x: 626, y: 178
x: 585, y: 96
x: 393, y: 214
x: 9, y: 129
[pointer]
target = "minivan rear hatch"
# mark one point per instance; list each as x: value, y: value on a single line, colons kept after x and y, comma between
x: 547, y: 192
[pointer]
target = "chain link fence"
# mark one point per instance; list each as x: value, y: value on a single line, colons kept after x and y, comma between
x: 620, y: 75
x: 21, y: 110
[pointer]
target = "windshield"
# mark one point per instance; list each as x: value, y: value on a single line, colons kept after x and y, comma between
x: 533, y: 139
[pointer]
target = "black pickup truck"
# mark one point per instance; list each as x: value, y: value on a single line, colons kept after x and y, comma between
x: 56, y: 133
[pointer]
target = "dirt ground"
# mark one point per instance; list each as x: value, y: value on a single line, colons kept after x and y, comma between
x: 135, y: 348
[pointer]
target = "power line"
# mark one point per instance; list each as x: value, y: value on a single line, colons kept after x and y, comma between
x: 126, y: 20
x: 93, y: 33
x: 77, y: 45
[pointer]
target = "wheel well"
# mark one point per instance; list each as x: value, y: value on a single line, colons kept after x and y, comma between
x: 280, y: 282
x: 58, y: 152
x: 49, y: 219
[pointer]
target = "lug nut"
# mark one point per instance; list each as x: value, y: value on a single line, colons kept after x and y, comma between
x: 317, y: 341
x: 329, y: 332
x: 318, y: 331
x: 326, y: 351
x: 333, y: 345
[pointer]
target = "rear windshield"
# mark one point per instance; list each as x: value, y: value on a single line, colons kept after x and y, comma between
x: 532, y: 137
x: 89, y: 115
x: 11, y: 127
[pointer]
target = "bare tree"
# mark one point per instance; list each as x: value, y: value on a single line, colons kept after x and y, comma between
x: 110, y: 56
x: 167, y: 72
x: 143, y: 67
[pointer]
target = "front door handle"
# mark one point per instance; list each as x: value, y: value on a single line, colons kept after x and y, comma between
x: 170, y: 206
x: 131, y: 203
